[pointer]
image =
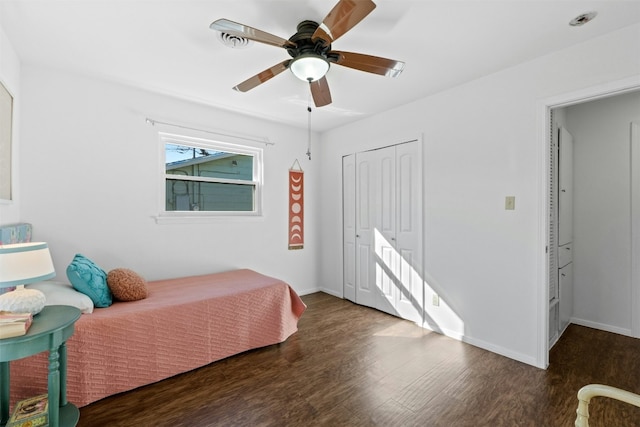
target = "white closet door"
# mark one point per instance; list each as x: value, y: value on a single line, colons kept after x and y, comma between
x: 410, y: 292
x: 388, y: 229
x: 349, y: 226
x: 365, y: 229
x: 375, y: 227
x: 385, y: 256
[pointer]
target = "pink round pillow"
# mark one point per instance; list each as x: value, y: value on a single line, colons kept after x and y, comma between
x: 127, y: 285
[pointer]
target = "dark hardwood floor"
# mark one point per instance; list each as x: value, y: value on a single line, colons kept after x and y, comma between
x: 353, y: 366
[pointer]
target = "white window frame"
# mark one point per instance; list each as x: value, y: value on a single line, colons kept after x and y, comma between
x: 165, y: 216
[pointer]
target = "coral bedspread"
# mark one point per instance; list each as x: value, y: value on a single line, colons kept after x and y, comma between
x: 184, y: 324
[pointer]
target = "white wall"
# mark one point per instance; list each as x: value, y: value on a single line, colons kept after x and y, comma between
x: 602, y: 209
x: 90, y: 179
x: 10, y: 77
x: 481, y: 144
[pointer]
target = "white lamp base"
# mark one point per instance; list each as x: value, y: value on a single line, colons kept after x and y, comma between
x: 23, y: 301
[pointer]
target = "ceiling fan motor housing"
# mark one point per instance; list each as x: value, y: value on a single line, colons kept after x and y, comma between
x: 304, y: 43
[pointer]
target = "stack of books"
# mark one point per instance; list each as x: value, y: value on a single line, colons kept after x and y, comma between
x: 32, y: 412
x: 14, y: 324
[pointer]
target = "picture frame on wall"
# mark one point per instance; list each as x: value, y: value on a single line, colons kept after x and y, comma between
x: 6, y: 130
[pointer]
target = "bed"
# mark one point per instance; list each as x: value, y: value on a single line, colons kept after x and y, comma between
x: 185, y: 323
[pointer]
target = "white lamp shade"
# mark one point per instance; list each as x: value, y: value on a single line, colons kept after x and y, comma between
x: 24, y: 263
x: 309, y: 68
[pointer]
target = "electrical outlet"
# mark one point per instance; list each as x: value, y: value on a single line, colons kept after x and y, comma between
x: 435, y: 300
x: 510, y: 203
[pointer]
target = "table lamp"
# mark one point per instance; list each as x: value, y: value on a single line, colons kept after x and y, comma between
x: 21, y: 264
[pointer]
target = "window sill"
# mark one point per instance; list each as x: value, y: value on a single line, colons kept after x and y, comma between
x: 205, y: 217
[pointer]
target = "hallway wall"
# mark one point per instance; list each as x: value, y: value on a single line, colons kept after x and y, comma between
x: 602, y: 211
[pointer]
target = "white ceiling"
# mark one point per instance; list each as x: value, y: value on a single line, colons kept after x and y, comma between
x: 167, y: 46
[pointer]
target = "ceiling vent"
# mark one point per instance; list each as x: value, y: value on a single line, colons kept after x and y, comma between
x: 583, y: 19
x: 234, y: 42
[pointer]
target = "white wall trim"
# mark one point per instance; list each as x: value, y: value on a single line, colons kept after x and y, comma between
x: 602, y: 326
x: 635, y: 229
x: 543, y: 117
x: 542, y: 292
x: 592, y: 93
x: 524, y: 358
x: 332, y: 292
x: 307, y: 291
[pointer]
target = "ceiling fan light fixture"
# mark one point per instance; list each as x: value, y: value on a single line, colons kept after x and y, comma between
x: 309, y: 67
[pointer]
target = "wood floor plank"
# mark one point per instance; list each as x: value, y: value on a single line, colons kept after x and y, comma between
x: 353, y: 366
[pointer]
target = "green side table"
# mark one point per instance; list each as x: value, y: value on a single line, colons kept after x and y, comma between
x: 50, y: 330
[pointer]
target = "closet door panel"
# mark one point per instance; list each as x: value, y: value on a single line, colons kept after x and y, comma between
x: 349, y: 227
x: 385, y: 217
x: 387, y: 186
x: 410, y: 295
x: 386, y: 274
x: 365, y: 229
x: 409, y: 304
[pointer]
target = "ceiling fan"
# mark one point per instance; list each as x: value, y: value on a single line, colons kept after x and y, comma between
x: 310, y: 49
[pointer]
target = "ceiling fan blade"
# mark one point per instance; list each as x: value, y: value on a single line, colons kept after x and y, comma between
x: 320, y: 92
x: 344, y: 16
x: 241, y: 30
x: 369, y: 63
x: 262, y: 77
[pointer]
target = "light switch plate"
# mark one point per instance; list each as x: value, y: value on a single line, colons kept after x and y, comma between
x: 510, y: 203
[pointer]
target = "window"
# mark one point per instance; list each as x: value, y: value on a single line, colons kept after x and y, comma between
x: 205, y: 177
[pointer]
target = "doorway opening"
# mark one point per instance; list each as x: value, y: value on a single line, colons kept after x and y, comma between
x: 548, y: 212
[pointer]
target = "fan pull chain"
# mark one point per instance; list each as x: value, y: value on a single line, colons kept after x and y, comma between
x: 309, y: 133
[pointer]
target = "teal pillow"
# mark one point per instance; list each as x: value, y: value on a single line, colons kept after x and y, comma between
x: 86, y: 277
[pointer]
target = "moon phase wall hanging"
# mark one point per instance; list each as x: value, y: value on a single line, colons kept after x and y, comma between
x: 296, y: 207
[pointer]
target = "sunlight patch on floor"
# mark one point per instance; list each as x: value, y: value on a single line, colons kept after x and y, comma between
x: 404, y: 330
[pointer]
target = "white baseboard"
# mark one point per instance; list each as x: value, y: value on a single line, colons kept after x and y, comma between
x: 602, y: 327
x: 332, y: 292
x: 456, y: 335
x: 488, y: 346
x: 309, y: 291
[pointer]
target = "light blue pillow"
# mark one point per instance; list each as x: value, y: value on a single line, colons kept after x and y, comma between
x: 60, y: 293
x: 86, y: 277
